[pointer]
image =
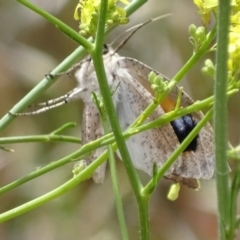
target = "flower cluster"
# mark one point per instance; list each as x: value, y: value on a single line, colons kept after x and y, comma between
x: 158, y: 85
x: 87, y: 11
x: 234, y: 39
x: 205, y: 8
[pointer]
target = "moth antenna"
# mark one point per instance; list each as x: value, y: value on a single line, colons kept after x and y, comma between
x: 134, y: 29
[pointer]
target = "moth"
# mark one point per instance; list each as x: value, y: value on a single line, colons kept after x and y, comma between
x: 133, y: 93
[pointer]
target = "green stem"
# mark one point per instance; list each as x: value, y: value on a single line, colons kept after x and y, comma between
x: 40, y: 88
x: 196, y: 55
x: 107, y: 100
x: 135, y: 4
x: 64, y: 127
x: 108, y: 139
x: 43, y: 199
x: 176, y: 79
x: 78, y: 54
x: 84, y: 174
x: 53, y: 136
x: 87, y: 172
x: 45, y: 83
x: 40, y: 138
x: 116, y: 191
x: 59, y: 24
x: 40, y: 172
x: 170, y: 116
x: 148, y: 189
x: 220, y: 118
x: 234, y: 199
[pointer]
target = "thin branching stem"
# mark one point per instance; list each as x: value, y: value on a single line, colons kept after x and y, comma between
x: 114, y: 178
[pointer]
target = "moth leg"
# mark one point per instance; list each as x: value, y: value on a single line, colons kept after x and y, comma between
x: 69, y: 71
x: 53, y: 103
x: 190, y: 182
x: 41, y: 110
x: 91, y: 130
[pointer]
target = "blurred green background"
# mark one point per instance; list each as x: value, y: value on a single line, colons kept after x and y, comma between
x: 30, y: 47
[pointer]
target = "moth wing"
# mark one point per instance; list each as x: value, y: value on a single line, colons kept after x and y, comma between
x: 205, y: 145
x: 198, y: 164
x: 154, y: 145
x: 149, y: 147
x: 91, y: 130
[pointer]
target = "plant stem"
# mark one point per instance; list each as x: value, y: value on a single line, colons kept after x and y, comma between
x: 135, y: 4
x: 220, y: 118
x: 196, y: 55
x: 40, y: 87
x: 39, y: 138
x: 107, y: 100
x: 148, y: 189
x: 109, y: 139
x: 59, y: 24
x: 45, y: 83
x: 115, y: 185
x: 41, y: 200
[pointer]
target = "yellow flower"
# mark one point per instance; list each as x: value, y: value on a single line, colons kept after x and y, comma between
x: 87, y: 11
x: 235, y: 18
x: 234, y: 48
x: 234, y: 38
x: 205, y: 7
x: 210, y: 4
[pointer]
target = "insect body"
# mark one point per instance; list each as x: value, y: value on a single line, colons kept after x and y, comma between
x: 133, y: 94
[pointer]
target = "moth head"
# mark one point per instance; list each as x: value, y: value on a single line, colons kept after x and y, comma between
x: 105, y: 49
x: 108, y: 51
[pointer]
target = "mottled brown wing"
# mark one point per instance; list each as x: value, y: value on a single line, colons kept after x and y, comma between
x: 156, y: 145
x: 91, y: 130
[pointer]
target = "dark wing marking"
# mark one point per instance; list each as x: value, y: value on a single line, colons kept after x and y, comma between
x: 198, y: 164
